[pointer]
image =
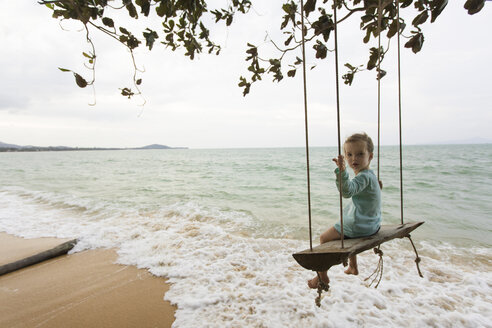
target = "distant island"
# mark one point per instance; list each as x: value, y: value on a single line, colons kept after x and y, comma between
x: 5, y: 147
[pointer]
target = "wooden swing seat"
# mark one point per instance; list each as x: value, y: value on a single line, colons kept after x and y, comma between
x: 324, y: 256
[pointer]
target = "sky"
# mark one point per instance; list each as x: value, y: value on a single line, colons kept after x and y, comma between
x: 446, y: 93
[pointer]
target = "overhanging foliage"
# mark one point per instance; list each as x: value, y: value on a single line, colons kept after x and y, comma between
x: 184, y: 27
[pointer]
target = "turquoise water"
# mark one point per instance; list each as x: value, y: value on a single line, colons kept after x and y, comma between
x: 448, y: 187
x: 222, y: 224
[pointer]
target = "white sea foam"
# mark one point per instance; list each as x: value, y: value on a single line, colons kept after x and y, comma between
x: 221, y: 278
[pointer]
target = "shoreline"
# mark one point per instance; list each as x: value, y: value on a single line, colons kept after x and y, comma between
x: 86, y: 289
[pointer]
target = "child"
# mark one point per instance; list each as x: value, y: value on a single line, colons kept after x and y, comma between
x: 363, y: 216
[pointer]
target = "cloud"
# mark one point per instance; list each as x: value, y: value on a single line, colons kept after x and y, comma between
x: 198, y: 103
x: 11, y: 101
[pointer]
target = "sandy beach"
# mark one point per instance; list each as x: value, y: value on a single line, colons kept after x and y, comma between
x: 85, y: 289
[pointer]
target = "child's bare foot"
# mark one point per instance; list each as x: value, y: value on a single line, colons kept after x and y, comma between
x: 313, y: 283
x: 352, y: 270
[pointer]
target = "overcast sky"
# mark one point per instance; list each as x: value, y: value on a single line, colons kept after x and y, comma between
x: 446, y: 87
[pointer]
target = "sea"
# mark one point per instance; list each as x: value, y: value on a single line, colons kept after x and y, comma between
x: 222, y: 224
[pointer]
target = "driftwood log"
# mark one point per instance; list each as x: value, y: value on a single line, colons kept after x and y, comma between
x: 40, y: 257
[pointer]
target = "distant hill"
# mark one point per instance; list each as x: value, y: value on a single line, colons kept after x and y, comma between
x: 154, y: 146
x: 12, y: 147
x: 6, y: 145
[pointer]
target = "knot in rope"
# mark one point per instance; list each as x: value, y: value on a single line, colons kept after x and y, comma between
x: 322, y: 287
x: 417, y: 257
x: 378, y: 251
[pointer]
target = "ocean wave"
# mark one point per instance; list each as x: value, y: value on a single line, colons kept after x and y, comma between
x: 222, y: 278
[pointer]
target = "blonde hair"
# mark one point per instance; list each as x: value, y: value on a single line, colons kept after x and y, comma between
x: 361, y: 137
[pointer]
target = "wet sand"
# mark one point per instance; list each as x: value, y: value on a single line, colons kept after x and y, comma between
x: 84, y: 289
x: 13, y: 248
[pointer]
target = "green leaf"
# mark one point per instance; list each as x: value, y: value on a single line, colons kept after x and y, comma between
x: 245, y: 85
x: 218, y: 15
x: 474, y: 6
x: 150, y: 37
x: 373, y: 59
x: 132, y: 42
x: 285, y: 22
x: 108, y: 21
x: 420, y: 18
x: 348, y: 78
x: 415, y: 42
x: 324, y: 25
x: 274, y: 62
x: 406, y: 3
x: 392, y: 29
x: 366, y: 19
x: 309, y: 6
x: 144, y: 5
x: 381, y: 74
x: 252, y: 51
x: 161, y: 9
x: 290, y: 10
x: 289, y: 39
x: 368, y: 35
x: 437, y: 7
x: 420, y: 5
x: 64, y: 69
x: 81, y: 82
x: 127, y: 92
x: 350, y: 67
x: 321, y: 50
x: 132, y: 11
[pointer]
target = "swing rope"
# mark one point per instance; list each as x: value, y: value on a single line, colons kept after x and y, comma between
x: 306, y: 125
x: 378, y: 273
x: 338, y: 119
x: 379, y: 84
x: 321, y: 285
x: 417, y: 258
x: 399, y: 109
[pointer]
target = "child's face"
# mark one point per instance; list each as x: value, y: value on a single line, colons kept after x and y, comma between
x: 357, y: 156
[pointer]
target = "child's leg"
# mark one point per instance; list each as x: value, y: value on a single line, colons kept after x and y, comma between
x: 352, y: 269
x: 328, y: 235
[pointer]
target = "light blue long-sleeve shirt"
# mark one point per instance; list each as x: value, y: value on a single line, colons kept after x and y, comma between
x: 363, y: 216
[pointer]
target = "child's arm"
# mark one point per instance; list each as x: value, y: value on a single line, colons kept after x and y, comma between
x: 354, y: 186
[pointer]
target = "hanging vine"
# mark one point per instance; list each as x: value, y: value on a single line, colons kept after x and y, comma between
x: 182, y: 22
x: 185, y: 25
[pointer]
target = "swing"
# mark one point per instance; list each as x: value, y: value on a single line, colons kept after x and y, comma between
x: 324, y: 256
